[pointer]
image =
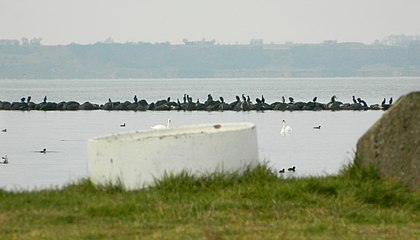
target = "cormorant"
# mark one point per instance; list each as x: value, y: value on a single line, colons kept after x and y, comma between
x: 314, y: 100
x: 354, y: 100
x: 333, y: 99
x: 291, y: 100
x: 292, y: 169
x: 282, y: 171
x: 390, y: 101
x: 43, y: 150
x: 122, y: 125
x: 383, y: 102
x: 317, y: 127
x: 238, y: 99
x: 262, y: 99
x: 243, y: 97
x: 45, y: 99
x: 222, y: 100
x: 135, y: 98
x: 283, y: 99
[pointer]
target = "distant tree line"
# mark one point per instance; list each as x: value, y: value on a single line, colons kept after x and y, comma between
x: 30, y: 59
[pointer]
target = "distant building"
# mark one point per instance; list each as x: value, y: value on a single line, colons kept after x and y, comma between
x: 203, y: 42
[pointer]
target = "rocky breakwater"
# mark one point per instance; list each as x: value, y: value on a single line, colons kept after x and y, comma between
x: 392, y: 144
x: 241, y: 104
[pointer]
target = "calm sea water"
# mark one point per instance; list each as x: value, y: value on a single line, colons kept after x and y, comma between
x: 65, y: 134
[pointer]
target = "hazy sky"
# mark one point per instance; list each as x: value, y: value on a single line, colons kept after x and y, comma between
x: 226, y: 21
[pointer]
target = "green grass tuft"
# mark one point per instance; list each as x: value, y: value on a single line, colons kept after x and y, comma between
x: 254, y: 204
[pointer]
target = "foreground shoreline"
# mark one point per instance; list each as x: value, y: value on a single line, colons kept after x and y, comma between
x: 260, y: 204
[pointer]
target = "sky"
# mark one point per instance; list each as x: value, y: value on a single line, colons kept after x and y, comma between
x: 226, y: 21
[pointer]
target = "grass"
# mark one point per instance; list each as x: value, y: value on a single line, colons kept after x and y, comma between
x: 356, y: 204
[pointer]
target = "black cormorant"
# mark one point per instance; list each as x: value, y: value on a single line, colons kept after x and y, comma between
x: 291, y: 100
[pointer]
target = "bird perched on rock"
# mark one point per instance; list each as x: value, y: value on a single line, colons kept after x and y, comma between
x: 314, y: 100
x: 291, y: 100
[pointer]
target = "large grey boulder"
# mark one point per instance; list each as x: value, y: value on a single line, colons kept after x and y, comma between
x: 392, y: 144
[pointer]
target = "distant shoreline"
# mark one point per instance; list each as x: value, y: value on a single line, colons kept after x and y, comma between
x: 206, y: 60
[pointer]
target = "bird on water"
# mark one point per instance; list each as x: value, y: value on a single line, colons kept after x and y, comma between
x: 292, y: 169
x: 160, y: 126
x: 285, y: 130
x: 317, y: 127
x: 5, y: 159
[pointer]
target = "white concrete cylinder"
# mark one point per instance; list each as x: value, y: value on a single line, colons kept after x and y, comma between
x: 136, y: 159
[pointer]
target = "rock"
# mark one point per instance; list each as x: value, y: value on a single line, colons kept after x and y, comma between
x: 120, y: 107
x: 49, y: 106
x: 86, y: 106
x: 392, y: 144
x: 31, y: 106
x: 142, y: 107
x: 6, y: 106
x: 71, y: 106
x: 143, y: 103
x: 162, y: 107
x: 161, y: 102
x: 19, y: 106
x: 132, y: 106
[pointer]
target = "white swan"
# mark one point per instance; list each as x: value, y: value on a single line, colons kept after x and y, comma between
x: 285, y: 130
x: 160, y: 126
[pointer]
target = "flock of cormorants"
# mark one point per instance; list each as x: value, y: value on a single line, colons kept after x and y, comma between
x: 243, y: 103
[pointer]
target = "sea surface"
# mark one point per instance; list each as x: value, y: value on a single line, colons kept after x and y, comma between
x: 65, y: 134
